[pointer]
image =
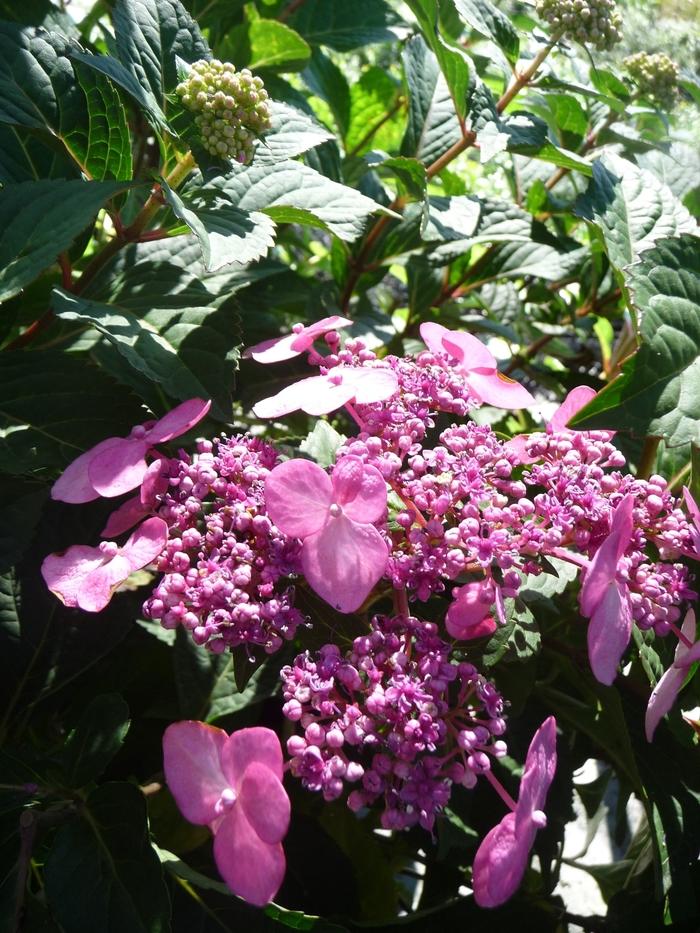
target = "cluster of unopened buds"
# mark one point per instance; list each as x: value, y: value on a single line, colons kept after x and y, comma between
x: 405, y: 514
x: 590, y: 22
x: 232, y: 108
x: 656, y: 76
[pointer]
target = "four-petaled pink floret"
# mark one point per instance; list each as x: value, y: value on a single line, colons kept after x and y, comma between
x: 605, y: 600
x: 299, y: 341
x: 86, y: 577
x: 319, y: 395
x: 468, y: 616
x: 477, y: 365
x: 117, y: 464
x: 343, y: 555
x: 665, y: 692
x: 233, y: 785
x: 502, y: 857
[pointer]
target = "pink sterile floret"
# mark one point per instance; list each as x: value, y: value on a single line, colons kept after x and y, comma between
x: 343, y: 555
x: 477, y: 365
x: 300, y: 340
x: 665, y: 692
x: 155, y: 482
x: 694, y: 514
x: 468, y: 616
x: 117, y: 465
x: 233, y: 785
x: 502, y: 857
x: 319, y: 395
x: 605, y: 600
x: 86, y: 576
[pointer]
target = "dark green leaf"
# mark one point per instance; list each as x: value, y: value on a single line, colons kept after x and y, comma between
x: 107, y: 149
x: 121, y: 880
x: 226, y: 698
x: 265, y: 43
x: 483, y: 17
x: 328, y: 82
x: 20, y: 507
x: 410, y: 173
x: 658, y: 391
x: 344, y: 26
x: 96, y: 739
x: 371, y: 99
x: 292, y: 133
x: 36, y: 226
x: 432, y: 122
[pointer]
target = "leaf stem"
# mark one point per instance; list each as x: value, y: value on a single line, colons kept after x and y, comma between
x: 647, y: 460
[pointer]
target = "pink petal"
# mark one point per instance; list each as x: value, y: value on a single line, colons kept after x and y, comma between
x: 65, y: 573
x: 74, y: 484
x: 577, y: 399
x: 665, y: 692
x: 500, y: 862
x: 145, y: 544
x: 274, y: 350
x: 298, y: 495
x: 371, y: 383
x: 252, y: 869
x: 248, y: 745
x: 178, y: 421
x: 120, y: 468
x: 294, y: 397
x: 688, y: 632
x: 125, y: 517
x: 609, y: 632
x: 518, y: 445
x: 265, y: 803
x: 303, y: 340
x: 359, y: 489
x: 469, y: 350
x: 333, y: 395
x: 468, y: 616
x: 493, y: 388
x: 432, y: 335
x: 99, y: 585
x: 192, y: 754
x: 343, y: 561
x: 603, y: 567
x: 540, y: 766
x: 155, y: 482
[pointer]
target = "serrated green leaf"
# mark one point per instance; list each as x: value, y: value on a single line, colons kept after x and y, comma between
x: 344, y: 26
x: 322, y: 443
x: 177, y: 349
x: 107, y: 149
x: 225, y: 233
x: 371, y: 99
x: 632, y: 209
x: 312, y: 197
x: 483, y: 17
x: 266, y: 43
x: 432, y: 125
x: 425, y: 283
x: 121, y: 879
x: 327, y: 81
x: 35, y: 225
x: 410, y: 173
x: 96, y: 739
x: 291, y: 134
x: 150, y: 34
x: 658, y: 391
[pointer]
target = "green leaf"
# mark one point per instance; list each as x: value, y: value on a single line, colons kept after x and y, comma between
x: 225, y: 233
x: 678, y: 169
x: 28, y: 156
x: 322, y: 443
x: 36, y: 226
x: 456, y: 66
x: 328, y: 82
x: 150, y: 35
x: 9, y: 612
x: 21, y: 504
x: 178, y: 349
x: 196, y: 673
x: 264, y: 682
x: 96, y: 739
x: 292, y: 133
x: 371, y: 99
x: 410, y: 173
x: 432, y: 125
x: 290, y: 192
x: 121, y: 879
x: 632, y: 209
x: 107, y: 149
x: 266, y: 43
x: 483, y: 17
x: 658, y: 391
x: 47, y: 418
x: 425, y: 283
x: 344, y: 26
x: 518, y: 640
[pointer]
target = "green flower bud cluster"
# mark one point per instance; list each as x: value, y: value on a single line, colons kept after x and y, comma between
x: 656, y: 76
x: 232, y: 108
x: 592, y: 22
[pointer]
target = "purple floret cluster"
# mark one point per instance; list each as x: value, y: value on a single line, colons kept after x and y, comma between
x: 225, y: 566
x: 396, y: 716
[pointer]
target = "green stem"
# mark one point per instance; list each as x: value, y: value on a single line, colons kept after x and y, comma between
x: 647, y: 461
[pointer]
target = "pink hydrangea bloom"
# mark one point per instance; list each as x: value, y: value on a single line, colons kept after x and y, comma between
x: 318, y: 395
x: 605, y: 600
x: 233, y: 785
x: 300, y: 340
x: 694, y: 513
x: 343, y: 555
x: 468, y: 616
x: 117, y: 464
x: 577, y: 399
x: 665, y: 692
x: 477, y: 365
x: 502, y: 857
x: 86, y: 576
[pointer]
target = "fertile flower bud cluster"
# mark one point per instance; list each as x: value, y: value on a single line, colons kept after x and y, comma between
x: 224, y: 558
x: 396, y: 715
x: 655, y: 75
x: 232, y: 108
x: 590, y: 22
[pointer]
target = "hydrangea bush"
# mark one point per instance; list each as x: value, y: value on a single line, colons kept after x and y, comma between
x: 349, y: 454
